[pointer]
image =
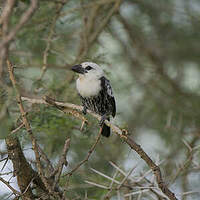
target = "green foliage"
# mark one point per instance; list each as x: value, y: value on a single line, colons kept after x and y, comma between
x: 51, y: 128
x: 148, y: 50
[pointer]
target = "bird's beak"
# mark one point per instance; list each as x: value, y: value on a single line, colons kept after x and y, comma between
x: 78, y: 69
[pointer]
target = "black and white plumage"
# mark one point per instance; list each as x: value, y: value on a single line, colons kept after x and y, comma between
x: 95, y: 92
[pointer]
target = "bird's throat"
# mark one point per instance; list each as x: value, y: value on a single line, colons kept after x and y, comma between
x: 88, y: 87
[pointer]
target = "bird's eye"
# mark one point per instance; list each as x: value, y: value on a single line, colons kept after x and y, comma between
x: 88, y: 68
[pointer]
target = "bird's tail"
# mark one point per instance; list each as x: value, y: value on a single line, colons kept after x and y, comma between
x: 106, y: 130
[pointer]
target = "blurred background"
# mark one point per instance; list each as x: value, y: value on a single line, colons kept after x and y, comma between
x: 150, y: 51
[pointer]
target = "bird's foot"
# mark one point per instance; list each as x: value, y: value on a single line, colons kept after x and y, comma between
x: 103, y: 118
x: 84, y: 111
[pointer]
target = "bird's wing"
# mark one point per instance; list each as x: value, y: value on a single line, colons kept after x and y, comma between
x: 105, y: 84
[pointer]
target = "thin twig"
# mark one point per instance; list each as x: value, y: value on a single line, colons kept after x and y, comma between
x: 25, y: 17
x: 7, y: 11
x: 6, y: 173
x: 88, y: 155
x: 4, y: 21
x: 62, y: 161
x: 18, y: 128
x: 137, y: 192
x: 28, y: 186
x: 86, y: 6
x: 9, y: 186
x: 126, y: 177
x: 46, y: 159
x: 50, y: 35
x: 4, y: 163
x: 105, y: 21
x: 81, y: 163
x: 105, y: 176
x: 28, y: 128
x: 91, y: 37
x: 111, y: 186
x: 97, y: 185
x: 160, y: 196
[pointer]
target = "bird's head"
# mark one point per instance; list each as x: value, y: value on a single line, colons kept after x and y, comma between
x: 88, y: 70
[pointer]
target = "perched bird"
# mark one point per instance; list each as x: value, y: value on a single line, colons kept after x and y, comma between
x: 95, y: 92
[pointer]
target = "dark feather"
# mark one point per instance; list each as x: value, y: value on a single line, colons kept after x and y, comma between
x: 106, y: 130
x: 103, y: 103
x: 105, y: 84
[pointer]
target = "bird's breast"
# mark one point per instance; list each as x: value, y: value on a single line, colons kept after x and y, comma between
x: 88, y: 87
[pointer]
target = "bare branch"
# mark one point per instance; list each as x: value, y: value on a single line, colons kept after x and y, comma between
x: 18, y: 128
x: 97, y: 185
x: 65, y: 109
x: 22, y: 169
x: 82, y: 162
x: 4, y: 20
x: 60, y: 6
x: 126, y: 177
x: 105, y: 21
x: 111, y: 185
x: 25, y: 17
x: 62, y: 161
x: 7, y: 11
x: 127, y: 139
x: 88, y: 155
x: 105, y: 176
x: 45, y: 158
x: 137, y: 192
x: 90, y: 38
x: 10, y: 187
x: 29, y: 130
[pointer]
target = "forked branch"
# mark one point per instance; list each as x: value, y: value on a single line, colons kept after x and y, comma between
x: 121, y: 133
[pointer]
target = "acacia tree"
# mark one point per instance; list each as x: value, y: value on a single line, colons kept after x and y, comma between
x: 146, y: 46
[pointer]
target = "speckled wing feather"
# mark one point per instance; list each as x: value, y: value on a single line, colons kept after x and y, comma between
x: 110, y: 100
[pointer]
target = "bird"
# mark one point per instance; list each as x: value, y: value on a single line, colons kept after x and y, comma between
x: 95, y: 93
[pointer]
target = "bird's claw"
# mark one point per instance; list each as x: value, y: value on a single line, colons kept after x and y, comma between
x: 84, y: 111
x: 101, y: 122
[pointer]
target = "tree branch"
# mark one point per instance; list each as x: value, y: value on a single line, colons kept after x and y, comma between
x: 29, y: 130
x: 88, y: 155
x: 4, y: 21
x: 10, y: 187
x: 25, y: 174
x: 127, y: 139
x: 25, y: 17
x: 59, y: 8
x: 62, y: 161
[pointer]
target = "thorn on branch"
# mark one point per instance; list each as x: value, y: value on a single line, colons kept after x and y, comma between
x: 129, y: 141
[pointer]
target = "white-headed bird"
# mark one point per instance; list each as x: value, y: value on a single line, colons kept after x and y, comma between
x: 95, y: 92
